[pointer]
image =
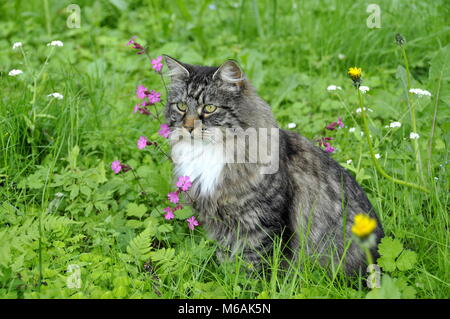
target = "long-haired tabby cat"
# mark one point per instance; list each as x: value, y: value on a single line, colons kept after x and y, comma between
x: 308, y: 199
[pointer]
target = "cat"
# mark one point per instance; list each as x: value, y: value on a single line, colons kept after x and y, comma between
x: 306, y: 196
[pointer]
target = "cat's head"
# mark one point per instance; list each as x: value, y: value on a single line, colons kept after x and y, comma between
x: 203, y: 98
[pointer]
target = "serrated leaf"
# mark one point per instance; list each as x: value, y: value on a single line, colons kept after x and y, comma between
x: 387, y: 263
x: 74, y: 191
x: 183, y: 213
x: 388, y: 290
x: 140, y: 246
x: 407, y: 260
x: 134, y: 223
x: 407, y: 291
x: 390, y: 248
x: 136, y: 210
x: 85, y: 190
x: 163, y: 256
x: 165, y: 228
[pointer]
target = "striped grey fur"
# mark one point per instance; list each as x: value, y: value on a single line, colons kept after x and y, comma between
x: 310, y: 200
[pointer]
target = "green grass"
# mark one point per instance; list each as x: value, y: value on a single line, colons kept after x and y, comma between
x: 289, y: 50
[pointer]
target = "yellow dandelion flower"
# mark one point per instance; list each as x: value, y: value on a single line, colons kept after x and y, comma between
x: 363, y: 225
x: 354, y: 73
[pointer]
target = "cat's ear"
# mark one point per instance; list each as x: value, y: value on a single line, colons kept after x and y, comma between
x: 176, y: 69
x: 230, y: 72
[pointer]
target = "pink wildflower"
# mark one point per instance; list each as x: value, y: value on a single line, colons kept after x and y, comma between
x: 329, y: 148
x: 141, y: 92
x: 173, y: 197
x: 136, y: 45
x: 323, y: 140
x: 169, y: 213
x: 136, y: 108
x: 156, y: 64
x: 332, y: 126
x: 192, y: 222
x: 164, y: 130
x: 184, y: 183
x: 131, y: 41
x: 116, y: 166
x: 154, y: 97
x: 142, y: 142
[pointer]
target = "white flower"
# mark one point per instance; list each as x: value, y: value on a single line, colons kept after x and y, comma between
x: 17, y: 45
x: 352, y: 129
x: 377, y: 156
x: 413, y: 136
x: 364, y: 88
x: 358, y: 110
x: 56, y: 43
x: 420, y: 92
x: 349, y: 162
x: 212, y: 6
x: 56, y: 95
x: 333, y: 88
x: 292, y: 125
x: 436, y: 178
x: 341, y: 56
x: 15, y: 72
x: 395, y: 124
x: 361, y: 133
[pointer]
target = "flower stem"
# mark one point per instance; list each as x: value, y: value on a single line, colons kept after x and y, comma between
x: 412, y: 112
x: 372, y: 153
x: 368, y: 256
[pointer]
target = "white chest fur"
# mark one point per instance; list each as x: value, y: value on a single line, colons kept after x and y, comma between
x: 202, y: 162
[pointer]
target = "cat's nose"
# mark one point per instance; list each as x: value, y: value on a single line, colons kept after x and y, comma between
x: 189, y: 123
x: 189, y: 128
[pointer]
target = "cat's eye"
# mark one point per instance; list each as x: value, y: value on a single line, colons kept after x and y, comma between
x: 182, y: 107
x: 209, y: 109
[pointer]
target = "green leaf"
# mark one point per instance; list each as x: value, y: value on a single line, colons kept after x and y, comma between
x: 165, y: 228
x: 74, y: 191
x: 119, y: 4
x: 208, y: 290
x: 407, y: 260
x: 134, y: 223
x: 387, y: 263
x: 388, y: 290
x: 390, y: 248
x: 140, y: 246
x: 85, y: 190
x: 407, y: 291
x: 136, y: 210
x: 164, y: 257
x: 184, y: 213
